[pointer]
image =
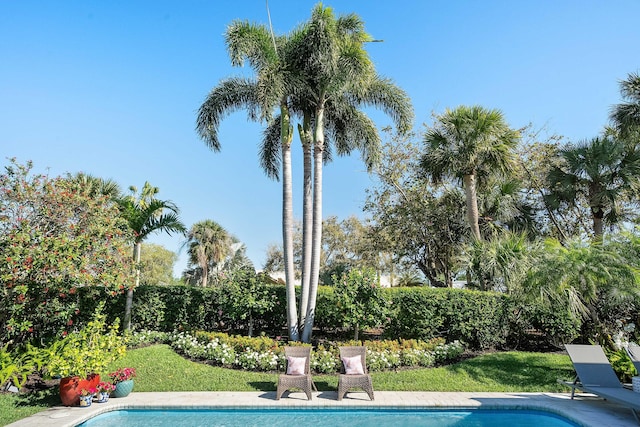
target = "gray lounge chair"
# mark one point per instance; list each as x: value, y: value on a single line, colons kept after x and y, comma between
x: 633, y: 350
x: 302, y: 381
x: 595, y: 375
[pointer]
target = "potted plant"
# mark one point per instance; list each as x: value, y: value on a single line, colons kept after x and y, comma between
x: 122, y: 378
x: 85, y: 395
x: 104, y: 389
x: 77, y: 357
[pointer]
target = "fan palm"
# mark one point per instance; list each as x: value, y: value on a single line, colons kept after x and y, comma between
x: 93, y: 186
x: 469, y: 144
x: 600, y: 171
x: 146, y: 215
x: 270, y: 90
x: 208, y: 244
x: 626, y: 116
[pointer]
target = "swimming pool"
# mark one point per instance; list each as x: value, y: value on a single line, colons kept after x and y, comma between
x: 334, y: 417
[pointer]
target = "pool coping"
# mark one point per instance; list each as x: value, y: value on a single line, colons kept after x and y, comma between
x: 586, y: 409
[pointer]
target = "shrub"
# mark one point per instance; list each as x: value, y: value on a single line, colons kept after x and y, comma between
x: 86, y: 351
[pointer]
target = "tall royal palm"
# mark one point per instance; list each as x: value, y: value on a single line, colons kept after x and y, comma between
x: 599, y: 171
x: 469, y: 144
x: 208, y: 244
x: 338, y: 77
x: 268, y: 56
x: 146, y: 215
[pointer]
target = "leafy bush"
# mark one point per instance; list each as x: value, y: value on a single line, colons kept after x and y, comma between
x: 474, y: 317
x: 86, y: 351
x: 54, y: 241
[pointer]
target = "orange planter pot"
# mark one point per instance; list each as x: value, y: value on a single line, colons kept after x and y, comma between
x: 71, y: 386
x: 68, y: 393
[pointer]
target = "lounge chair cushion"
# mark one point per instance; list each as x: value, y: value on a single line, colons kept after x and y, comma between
x: 353, y: 365
x: 296, y: 365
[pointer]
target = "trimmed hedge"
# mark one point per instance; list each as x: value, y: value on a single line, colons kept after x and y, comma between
x: 479, y: 319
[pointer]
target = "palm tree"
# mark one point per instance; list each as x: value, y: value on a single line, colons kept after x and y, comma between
x: 600, y: 171
x: 146, y: 215
x: 93, y: 186
x: 626, y: 116
x: 579, y: 277
x: 268, y: 56
x: 338, y: 78
x: 469, y: 144
x: 208, y: 244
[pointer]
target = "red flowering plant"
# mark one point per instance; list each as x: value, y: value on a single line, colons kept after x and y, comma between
x: 87, y: 391
x: 105, y: 387
x: 122, y: 374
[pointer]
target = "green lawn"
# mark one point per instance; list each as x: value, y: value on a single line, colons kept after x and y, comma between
x: 160, y: 369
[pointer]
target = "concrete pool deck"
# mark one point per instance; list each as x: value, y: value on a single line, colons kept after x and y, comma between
x: 585, y: 409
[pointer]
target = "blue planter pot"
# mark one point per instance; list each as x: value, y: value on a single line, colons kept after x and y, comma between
x: 123, y: 389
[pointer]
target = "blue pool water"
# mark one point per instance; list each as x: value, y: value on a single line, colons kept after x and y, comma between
x: 332, y: 417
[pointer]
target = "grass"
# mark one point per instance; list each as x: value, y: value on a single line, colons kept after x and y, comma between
x: 161, y: 369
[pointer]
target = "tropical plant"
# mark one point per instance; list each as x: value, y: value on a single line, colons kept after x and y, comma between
x: 268, y: 56
x: 579, y: 276
x: 599, y: 172
x: 339, y: 78
x: 469, y: 144
x: 208, y: 244
x: 626, y: 116
x: 502, y: 263
x: 146, y: 215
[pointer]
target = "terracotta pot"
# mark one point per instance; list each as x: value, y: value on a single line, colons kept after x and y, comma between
x: 68, y: 393
x: 71, y: 386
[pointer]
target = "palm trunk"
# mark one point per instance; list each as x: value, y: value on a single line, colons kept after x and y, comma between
x: 472, y: 204
x: 307, y: 216
x: 286, y: 135
x: 318, y: 151
x: 129, y: 302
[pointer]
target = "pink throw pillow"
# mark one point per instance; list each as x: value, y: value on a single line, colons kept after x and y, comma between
x: 353, y: 365
x: 296, y: 365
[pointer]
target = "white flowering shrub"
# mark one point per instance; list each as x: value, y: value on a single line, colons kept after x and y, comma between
x: 257, y: 361
x: 261, y: 355
x: 449, y: 351
x: 417, y: 357
x: 323, y: 361
x: 220, y: 353
x: 382, y: 360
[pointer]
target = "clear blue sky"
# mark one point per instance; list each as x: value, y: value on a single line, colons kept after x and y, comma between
x: 111, y: 88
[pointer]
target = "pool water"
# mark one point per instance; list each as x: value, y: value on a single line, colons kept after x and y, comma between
x: 333, y: 417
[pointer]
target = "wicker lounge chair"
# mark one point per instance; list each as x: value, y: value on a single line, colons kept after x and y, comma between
x: 348, y: 380
x: 301, y: 380
x: 595, y: 375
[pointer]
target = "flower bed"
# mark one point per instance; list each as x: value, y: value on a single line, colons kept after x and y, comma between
x: 265, y: 354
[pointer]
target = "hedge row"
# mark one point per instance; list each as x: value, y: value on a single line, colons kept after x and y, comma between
x: 480, y: 319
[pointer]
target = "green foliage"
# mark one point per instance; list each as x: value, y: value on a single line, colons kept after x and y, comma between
x: 245, y: 296
x: 17, y: 365
x: 621, y: 363
x: 359, y: 300
x: 86, y: 351
x: 54, y: 240
x: 476, y: 318
x: 156, y: 265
